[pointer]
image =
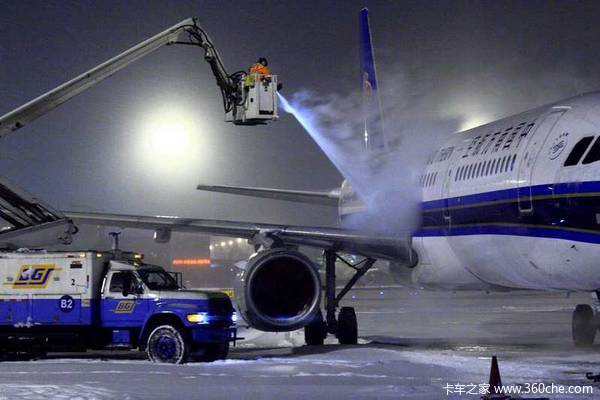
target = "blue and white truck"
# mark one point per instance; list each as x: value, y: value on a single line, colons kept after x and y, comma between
x: 90, y: 300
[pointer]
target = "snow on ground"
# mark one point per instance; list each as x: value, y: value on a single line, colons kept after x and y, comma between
x: 413, y: 344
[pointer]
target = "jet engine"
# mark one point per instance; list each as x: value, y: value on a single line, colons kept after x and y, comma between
x: 278, y: 290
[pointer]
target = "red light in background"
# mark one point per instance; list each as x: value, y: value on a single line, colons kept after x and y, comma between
x: 191, y: 261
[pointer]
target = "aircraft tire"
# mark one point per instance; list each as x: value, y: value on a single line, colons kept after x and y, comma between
x: 347, y: 329
x: 316, y: 331
x: 583, y: 325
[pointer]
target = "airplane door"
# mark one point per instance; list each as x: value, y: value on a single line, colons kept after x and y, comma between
x: 527, y: 162
x: 445, y: 194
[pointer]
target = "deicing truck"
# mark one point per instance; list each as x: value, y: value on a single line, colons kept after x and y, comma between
x: 90, y: 300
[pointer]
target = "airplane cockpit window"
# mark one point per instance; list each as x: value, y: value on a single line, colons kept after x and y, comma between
x: 594, y: 154
x: 578, y: 151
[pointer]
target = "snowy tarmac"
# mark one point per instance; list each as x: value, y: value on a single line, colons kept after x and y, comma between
x: 414, y: 345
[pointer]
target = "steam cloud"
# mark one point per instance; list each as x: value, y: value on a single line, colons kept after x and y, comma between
x: 387, y: 184
x: 422, y: 106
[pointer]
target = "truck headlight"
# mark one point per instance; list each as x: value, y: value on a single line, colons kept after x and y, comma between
x: 198, y: 318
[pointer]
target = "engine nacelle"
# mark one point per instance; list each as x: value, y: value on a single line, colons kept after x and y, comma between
x: 279, y: 290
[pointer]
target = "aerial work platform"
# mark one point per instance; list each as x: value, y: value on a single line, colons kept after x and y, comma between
x: 243, y: 105
x: 259, y: 102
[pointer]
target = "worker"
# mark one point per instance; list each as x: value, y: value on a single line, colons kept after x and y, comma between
x: 259, y: 68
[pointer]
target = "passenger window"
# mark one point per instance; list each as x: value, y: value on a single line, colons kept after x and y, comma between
x: 594, y: 154
x: 578, y: 151
x: 120, y: 280
x: 487, y: 167
x: 493, y: 166
x: 512, y: 164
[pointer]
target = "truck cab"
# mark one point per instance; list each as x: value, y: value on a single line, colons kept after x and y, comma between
x: 147, y: 307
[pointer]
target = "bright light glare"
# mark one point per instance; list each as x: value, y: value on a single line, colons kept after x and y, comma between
x: 169, y: 138
x: 169, y: 133
x: 473, y: 122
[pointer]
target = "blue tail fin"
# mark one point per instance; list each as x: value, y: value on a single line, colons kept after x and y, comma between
x: 374, y: 136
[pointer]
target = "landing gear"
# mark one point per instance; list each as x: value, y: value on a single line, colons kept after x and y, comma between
x: 345, y: 326
x: 316, y: 331
x: 347, y: 332
x: 583, y: 325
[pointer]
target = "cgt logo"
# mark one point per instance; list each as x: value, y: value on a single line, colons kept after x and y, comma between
x: 125, y: 307
x: 33, y: 276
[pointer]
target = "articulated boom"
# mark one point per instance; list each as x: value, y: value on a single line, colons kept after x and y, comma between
x: 243, y: 106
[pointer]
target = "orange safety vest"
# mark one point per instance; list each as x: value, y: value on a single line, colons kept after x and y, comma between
x: 260, y: 69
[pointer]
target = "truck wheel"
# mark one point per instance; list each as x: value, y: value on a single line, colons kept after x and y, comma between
x: 347, y: 329
x: 166, y: 344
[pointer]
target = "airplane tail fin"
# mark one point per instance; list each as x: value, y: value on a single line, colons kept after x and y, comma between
x: 374, y: 133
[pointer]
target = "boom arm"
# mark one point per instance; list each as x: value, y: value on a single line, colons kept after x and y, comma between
x: 229, y: 84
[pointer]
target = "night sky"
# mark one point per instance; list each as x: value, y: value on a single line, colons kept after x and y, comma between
x: 443, y: 65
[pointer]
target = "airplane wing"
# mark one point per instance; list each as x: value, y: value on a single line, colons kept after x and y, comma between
x: 396, y: 249
x: 330, y: 198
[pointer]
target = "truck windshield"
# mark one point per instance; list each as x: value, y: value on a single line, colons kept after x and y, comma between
x: 158, y: 280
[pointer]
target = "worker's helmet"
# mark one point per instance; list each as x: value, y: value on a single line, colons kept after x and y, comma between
x: 263, y: 61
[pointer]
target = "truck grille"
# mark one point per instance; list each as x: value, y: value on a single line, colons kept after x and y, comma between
x: 220, y: 311
x: 220, y: 306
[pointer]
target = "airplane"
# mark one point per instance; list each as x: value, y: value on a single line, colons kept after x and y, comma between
x: 508, y: 205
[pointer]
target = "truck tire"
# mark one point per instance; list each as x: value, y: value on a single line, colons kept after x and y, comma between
x: 347, y: 329
x: 167, y: 344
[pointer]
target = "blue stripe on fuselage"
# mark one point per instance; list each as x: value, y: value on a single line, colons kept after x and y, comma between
x: 562, y: 211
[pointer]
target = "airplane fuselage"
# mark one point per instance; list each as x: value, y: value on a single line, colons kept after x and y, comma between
x: 515, y: 203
